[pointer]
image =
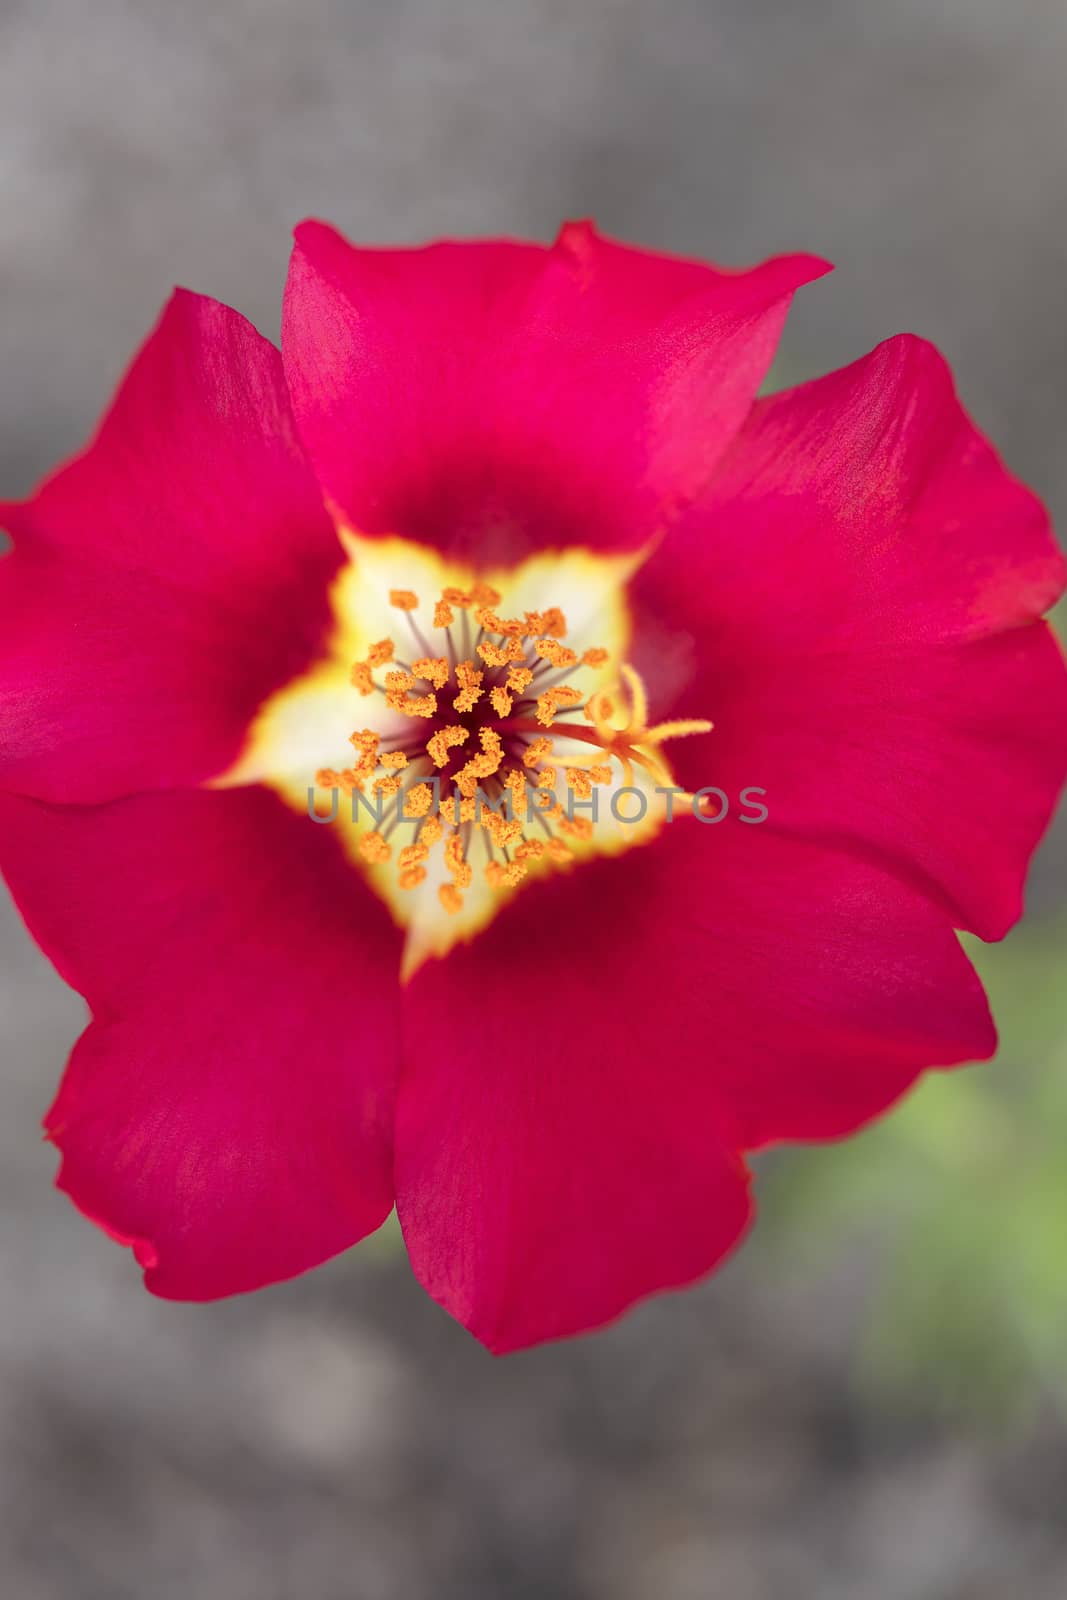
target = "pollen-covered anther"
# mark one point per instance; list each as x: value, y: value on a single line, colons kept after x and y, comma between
x: 404, y: 599
x: 551, y: 621
x: 361, y: 677
x: 431, y: 830
x: 450, y: 897
x: 515, y: 780
x: 412, y: 877
x: 443, y: 615
x: 496, y: 655
x: 511, y: 627
x: 501, y: 875
x: 453, y: 851
x: 595, y: 657
x: 503, y: 831
x: 399, y: 695
x: 560, y: 655
x: 580, y: 781
x: 433, y: 669
x: 518, y: 679
x: 500, y: 700
x: 536, y: 751
x: 485, y: 595
x: 469, y: 679
x: 466, y: 779
x: 366, y: 743
x: 444, y: 740
x: 412, y: 854
x: 373, y: 847
x: 483, y: 765
x: 380, y: 653
x: 457, y: 863
x: 395, y: 759
x: 420, y: 705
x: 346, y: 780
x: 546, y: 708
x: 418, y: 800
x: 551, y: 700
x: 389, y: 785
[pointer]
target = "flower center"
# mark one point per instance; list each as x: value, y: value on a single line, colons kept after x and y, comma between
x: 492, y: 747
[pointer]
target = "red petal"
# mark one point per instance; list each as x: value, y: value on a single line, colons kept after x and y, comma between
x: 229, y: 1110
x: 544, y: 1182
x: 850, y: 605
x: 814, y: 986
x: 168, y: 579
x: 575, y: 1082
x: 491, y: 397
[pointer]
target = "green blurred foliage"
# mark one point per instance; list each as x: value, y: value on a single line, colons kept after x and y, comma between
x: 958, y: 1201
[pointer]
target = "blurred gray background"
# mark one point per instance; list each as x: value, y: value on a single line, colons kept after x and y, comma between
x: 787, y: 1430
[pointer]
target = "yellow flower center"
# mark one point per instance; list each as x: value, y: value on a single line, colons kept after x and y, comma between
x: 489, y: 697
x: 499, y: 736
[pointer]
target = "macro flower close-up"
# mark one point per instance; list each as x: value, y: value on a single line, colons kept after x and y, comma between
x: 490, y: 758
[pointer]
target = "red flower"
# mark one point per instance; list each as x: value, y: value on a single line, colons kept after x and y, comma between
x: 486, y: 494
